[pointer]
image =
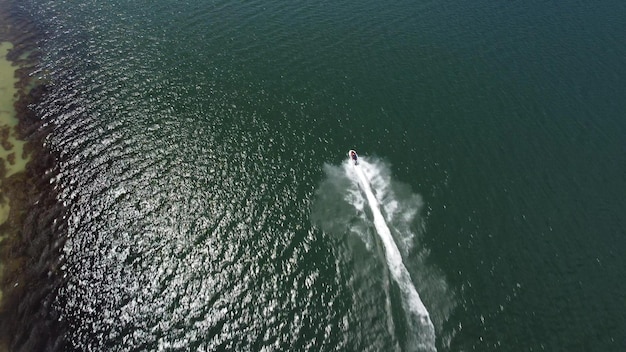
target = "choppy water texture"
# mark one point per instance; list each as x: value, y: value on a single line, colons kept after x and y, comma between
x: 201, y: 150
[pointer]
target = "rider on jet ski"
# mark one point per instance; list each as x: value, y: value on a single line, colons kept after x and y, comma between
x: 353, y: 156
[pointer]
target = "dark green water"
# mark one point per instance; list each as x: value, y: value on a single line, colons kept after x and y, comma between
x: 201, y: 148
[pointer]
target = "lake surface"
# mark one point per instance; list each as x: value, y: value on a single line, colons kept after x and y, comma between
x: 211, y: 205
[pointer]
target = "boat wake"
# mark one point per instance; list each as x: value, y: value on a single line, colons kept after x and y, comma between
x: 416, y: 313
x: 366, y: 187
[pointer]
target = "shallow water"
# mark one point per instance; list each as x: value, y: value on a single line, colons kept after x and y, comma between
x: 8, y: 121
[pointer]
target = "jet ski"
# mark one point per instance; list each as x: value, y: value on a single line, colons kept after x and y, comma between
x: 353, y: 156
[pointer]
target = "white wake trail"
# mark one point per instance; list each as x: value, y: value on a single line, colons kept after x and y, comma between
x: 417, y: 314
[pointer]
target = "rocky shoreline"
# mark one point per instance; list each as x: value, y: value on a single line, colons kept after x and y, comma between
x: 32, y: 231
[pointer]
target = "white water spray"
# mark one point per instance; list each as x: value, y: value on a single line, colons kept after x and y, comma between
x: 417, y: 315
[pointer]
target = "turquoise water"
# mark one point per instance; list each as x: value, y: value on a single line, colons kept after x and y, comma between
x: 210, y: 205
